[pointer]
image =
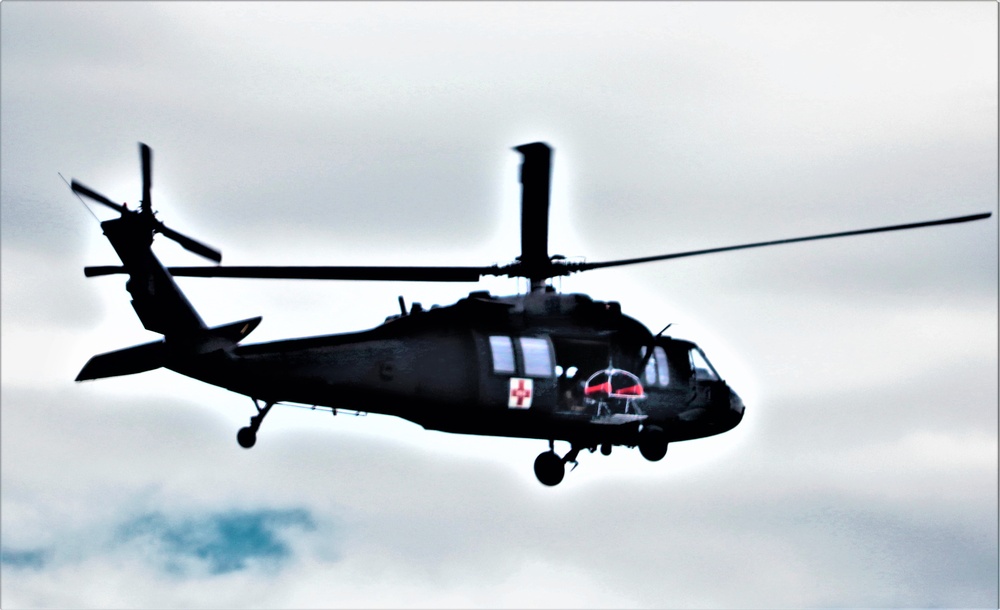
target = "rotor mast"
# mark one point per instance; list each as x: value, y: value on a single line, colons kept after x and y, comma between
x: 536, y: 175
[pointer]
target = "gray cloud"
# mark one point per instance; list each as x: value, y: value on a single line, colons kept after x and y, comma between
x: 867, y: 520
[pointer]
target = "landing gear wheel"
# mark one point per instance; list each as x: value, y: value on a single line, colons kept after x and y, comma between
x: 246, y: 437
x: 653, y: 443
x: 653, y: 452
x: 549, y: 468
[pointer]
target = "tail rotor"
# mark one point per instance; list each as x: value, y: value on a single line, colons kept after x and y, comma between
x: 145, y: 212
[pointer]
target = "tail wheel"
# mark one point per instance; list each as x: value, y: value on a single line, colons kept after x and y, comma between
x: 549, y: 468
x: 246, y: 437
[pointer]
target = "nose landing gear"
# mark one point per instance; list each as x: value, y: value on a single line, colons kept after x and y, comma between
x: 247, y: 436
x: 653, y: 443
x: 550, y: 468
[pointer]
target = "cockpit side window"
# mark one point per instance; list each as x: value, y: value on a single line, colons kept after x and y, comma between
x: 650, y: 374
x: 657, y: 372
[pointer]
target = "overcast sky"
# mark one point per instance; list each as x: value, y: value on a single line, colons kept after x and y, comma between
x: 865, y: 470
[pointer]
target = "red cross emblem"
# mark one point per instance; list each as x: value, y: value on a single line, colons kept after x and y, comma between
x: 520, y: 393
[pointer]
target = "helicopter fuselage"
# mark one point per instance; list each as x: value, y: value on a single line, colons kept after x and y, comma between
x: 502, y: 366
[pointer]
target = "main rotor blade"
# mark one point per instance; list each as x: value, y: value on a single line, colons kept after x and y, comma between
x: 189, y: 244
x: 99, y: 198
x: 392, y: 274
x: 573, y: 267
x: 147, y: 177
x: 536, y: 172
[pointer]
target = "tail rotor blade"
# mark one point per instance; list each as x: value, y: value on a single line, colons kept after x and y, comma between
x: 145, y: 216
x: 147, y: 176
x: 191, y: 245
x: 95, y: 196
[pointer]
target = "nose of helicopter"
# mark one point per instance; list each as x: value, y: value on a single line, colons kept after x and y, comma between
x: 736, y: 409
x: 735, y: 403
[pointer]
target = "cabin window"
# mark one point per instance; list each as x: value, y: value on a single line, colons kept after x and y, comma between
x: 537, y: 357
x: 703, y: 371
x: 503, y: 355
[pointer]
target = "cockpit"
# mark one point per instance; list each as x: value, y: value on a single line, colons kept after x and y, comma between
x: 675, y: 363
x: 703, y: 369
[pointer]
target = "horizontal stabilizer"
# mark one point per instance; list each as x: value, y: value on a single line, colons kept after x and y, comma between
x: 128, y: 361
x: 149, y: 356
x: 236, y: 331
x: 215, y: 338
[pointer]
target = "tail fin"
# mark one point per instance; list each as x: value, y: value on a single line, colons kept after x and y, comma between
x: 156, y: 298
x: 159, y: 303
x: 161, y: 307
x: 150, y: 356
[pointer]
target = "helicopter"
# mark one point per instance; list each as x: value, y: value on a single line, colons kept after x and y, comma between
x: 541, y: 365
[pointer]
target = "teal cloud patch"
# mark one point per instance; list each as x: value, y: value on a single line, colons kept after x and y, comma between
x: 33, y: 559
x: 222, y: 542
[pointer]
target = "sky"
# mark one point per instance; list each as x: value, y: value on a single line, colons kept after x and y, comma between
x: 864, y: 472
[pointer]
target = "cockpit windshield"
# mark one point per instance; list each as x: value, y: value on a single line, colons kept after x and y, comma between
x: 703, y: 370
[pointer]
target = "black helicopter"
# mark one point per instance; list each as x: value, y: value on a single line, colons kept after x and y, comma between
x: 540, y: 365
